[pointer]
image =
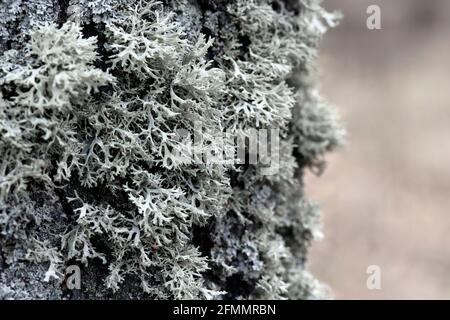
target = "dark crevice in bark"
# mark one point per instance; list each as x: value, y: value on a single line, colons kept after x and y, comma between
x: 205, y: 6
x: 93, y: 29
x: 237, y: 286
x: 62, y: 13
x: 62, y: 194
x: 202, y: 238
x: 219, y: 8
x: 2, y: 260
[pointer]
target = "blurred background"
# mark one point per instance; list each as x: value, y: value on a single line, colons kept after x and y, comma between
x: 386, y: 195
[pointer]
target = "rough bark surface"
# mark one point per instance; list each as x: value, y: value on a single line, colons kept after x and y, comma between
x: 91, y: 95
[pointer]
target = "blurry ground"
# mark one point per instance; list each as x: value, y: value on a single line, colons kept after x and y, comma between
x: 386, y: 196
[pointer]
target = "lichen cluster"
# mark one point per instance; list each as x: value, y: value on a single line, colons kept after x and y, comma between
x: 93, y: 94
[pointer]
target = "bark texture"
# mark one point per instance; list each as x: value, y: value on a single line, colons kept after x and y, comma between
x: 92, y: 96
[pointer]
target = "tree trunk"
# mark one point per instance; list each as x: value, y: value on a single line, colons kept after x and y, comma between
x: 101, y: 105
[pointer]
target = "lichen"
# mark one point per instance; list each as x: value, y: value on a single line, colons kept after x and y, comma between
x: 91, y: 106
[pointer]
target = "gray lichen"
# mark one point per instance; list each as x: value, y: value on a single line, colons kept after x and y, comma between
x: 92, y: 96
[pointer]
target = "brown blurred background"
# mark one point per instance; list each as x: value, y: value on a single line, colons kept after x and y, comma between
x: 386, y: 196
